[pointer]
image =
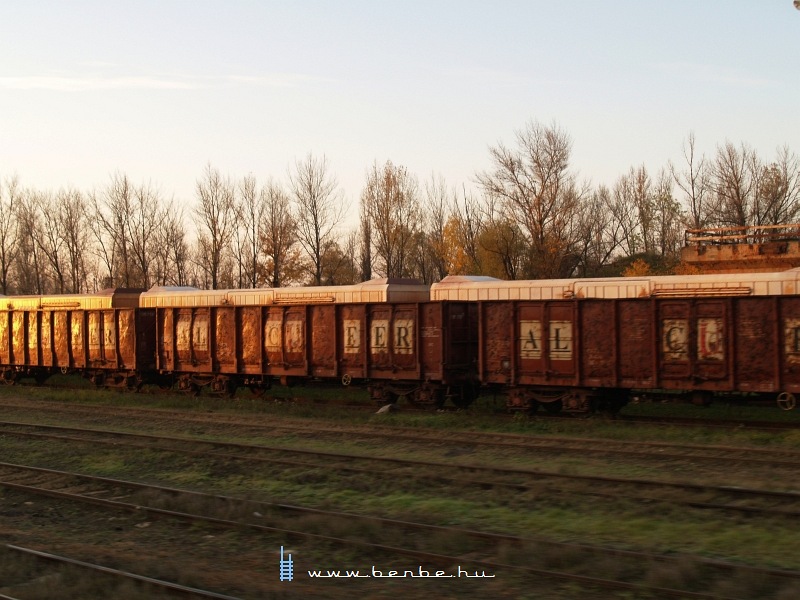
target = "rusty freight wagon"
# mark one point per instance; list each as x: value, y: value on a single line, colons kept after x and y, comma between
x: 105, y: 336
x: 384, y: 333
x: 587, y: 343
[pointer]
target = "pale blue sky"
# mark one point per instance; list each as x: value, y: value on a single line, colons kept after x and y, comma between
x: 159, y: 89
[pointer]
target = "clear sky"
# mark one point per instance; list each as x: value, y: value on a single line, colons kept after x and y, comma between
x: 159, y: 89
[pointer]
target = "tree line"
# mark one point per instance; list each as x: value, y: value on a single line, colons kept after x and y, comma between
x: 528, y: 217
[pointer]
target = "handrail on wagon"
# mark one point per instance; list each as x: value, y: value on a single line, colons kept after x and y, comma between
x: 697, y: 292
x: 752, y: 234
x: 65, y: 304
x: 313, y: 300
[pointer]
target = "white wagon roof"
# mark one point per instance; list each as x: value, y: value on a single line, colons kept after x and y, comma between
x: 376, y: 290
x: 729, y: 284
x: 105, y: 299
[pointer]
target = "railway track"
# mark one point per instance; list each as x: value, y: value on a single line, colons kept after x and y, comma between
x: 726, y: 423
x: 783, y: 503
x: 370, y: 407
x: 132, y: 497
x: 597, y: 446
x: 166, y: 586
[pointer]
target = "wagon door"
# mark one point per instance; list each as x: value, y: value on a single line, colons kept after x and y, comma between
x: 496, y: 341
x: 284, y: 340
x: 5, y: 338
x: 222, y: 358
x: 380, y: 358
x: 47, y: 338
x: 532, y: 354
x: 249, y: 339
x: 757, y: 356
x: 33, y: 339
x: 713, y: 354
x: 61, y: 338
x: 127, y: 338
x: 18, y: 323
x: 561, y: 340
x: 323, y: 340
x: 546, y: 343
x: 404, y: 341
x: 78, y: 342
x: 635, y: 343
x: 109, y: 338
x: 789, y: 325
x: 353, y: 346
x: 694, y: 344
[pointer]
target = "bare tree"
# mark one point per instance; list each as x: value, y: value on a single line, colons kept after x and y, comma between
x: 467, y: 222
x: 503, y: 245
x: 50, y: 238
x: 9, y: 229
x: 694, y: 182
x: 338, y: 264
x: 391, y: 200
x: 113, y: 221
x: 602, y: 233
x: 644, y: 216
x: 124, y: 222
x: 633, y: 212
x: 779, y: 190
x: 250, y: 208
x: 319, y: 209
x: 735, y: 182
x: 104, y: 247
x: 74, y: 229
x: 215, y: 217
x: 30, y: 265
x: 436, y: 209
x: 539, y: 192
x: 172, y: 251
x: 365, y: 241
x: 278, y: 237
x: 668, y: 218
x: 145, y: 216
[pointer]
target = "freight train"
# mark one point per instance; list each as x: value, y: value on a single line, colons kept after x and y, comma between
x: 571, y: 344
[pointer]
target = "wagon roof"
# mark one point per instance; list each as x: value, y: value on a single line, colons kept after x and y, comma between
x: 379, y: 290
x: 729, y: 284
x: 104, y: 299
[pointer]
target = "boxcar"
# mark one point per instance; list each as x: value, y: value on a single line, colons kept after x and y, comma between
x: 382, y: 332
x: 104, y: 335
x: 583, y: 343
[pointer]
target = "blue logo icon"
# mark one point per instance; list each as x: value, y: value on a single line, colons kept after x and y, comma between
x: 287, y: 567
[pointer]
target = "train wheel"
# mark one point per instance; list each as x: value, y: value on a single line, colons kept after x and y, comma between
x: 188, y: 387
x: 134, y: 383
x: 427, y: 396
x: 786, y: 401
x: 8, y: 377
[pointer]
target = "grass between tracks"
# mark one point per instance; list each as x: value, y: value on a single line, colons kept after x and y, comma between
x: 566, y: 517
x: 487, y: 413
x: 534, y: 513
